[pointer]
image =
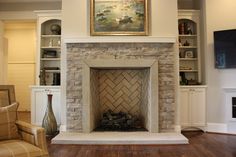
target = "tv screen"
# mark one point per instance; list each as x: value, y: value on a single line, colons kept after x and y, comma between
x: 225, y: 49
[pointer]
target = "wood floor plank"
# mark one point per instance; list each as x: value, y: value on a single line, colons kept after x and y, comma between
x: 201, y: 145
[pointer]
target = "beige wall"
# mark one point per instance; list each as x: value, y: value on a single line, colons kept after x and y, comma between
x: 1, y: 53
x: 220, y: 15
x: 21, y: 59
x: 75, y: 15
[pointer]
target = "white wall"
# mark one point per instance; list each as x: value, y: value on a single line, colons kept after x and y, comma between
x: 220, y: 15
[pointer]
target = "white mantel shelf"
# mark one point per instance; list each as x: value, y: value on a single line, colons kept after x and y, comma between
x: 229, y: 89
x: 120, y: 39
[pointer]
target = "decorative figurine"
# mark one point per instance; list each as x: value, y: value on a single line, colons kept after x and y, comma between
x: 55, y: 29
x: 186, y: 43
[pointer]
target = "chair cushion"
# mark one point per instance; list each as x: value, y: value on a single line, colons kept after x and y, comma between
x: 19, y: 148
x: 8, y: 116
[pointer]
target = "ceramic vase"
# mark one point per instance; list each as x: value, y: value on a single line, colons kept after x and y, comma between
x: 49, y: 121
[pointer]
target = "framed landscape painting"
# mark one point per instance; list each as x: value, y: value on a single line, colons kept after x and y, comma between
x: 118, y: 17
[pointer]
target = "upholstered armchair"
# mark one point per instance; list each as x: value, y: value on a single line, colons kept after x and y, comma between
x: 18, y: 138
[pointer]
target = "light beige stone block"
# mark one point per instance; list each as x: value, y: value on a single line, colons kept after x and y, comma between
x: 166, y: 73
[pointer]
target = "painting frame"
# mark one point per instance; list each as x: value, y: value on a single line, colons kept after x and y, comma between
x: 144, y: 20
x: 189, y: 54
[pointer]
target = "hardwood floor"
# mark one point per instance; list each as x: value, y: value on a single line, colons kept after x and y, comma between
x: 201, y: 145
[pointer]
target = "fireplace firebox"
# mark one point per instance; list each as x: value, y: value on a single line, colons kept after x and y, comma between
x: 233, y: 107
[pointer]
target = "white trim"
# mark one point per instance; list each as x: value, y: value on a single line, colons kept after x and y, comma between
x: 119, y: 39
x: 186, y: 12
x: 120, y: 63
x: 229, y: 93
x: 217, y: 127
x: 44, y: 87
x: 63, y: 85
x: 47, y: 13
x: 177, y: 128
x: 229, y: 89
x: 17, y: 15
x: 194, y: 86
x: 62, y: 128
x: 87, y: 119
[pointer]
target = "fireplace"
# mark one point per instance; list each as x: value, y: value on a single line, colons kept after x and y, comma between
x: 230, y: 97
x: 121, y: 86
x: 120, y: 98
x: 233, y: 107
x: 87, y: 61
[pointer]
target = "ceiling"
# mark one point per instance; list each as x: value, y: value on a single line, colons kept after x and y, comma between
x: 24, y: 1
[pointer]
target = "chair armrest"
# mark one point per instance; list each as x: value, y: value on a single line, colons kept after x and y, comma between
x: 33, y: 134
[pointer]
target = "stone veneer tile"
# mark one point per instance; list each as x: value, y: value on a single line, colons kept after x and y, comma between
x: 163, y: 52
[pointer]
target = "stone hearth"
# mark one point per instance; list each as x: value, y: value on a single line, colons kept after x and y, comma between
x: 117, y: 138
x: 77, y: 108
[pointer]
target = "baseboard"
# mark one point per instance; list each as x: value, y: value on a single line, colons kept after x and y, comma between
x: 63, y: 128
x: 177, y: 128
x: 217, y: 127
x: 193, y: 129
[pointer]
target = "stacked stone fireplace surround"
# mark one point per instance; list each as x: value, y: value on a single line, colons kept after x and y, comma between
x: 163, y: 52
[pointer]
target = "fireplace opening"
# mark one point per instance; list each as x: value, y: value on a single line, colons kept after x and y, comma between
x: 122, y: 86
x: 233, y: 107
x: 119, y: 98
x: 120, y: 121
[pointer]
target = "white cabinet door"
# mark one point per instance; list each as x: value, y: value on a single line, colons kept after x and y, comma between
x: 193, y: 107
x: 198, y: 107
x: 184, y: 107
x: 39, y: 103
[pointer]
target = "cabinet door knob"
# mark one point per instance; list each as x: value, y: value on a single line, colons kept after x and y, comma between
x: 48, y: 91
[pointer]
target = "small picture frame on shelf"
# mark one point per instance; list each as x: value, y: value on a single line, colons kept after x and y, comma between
x: 50, y: 54
x: 188, y: 54
x: 189, y: 30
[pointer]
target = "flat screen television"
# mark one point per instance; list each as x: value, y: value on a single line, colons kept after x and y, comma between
x: 225, y: 49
